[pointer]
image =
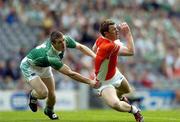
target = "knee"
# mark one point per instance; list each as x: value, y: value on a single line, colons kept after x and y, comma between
x: 43, y: 94
x: 115, y: 104
x: 128, y: 90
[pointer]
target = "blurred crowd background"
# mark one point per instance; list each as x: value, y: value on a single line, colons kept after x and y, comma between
x: 155, y: 25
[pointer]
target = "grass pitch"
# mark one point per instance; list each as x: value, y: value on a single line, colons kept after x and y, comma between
x: 90, y: 116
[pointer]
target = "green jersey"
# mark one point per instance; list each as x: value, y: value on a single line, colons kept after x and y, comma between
x: 45, y: 55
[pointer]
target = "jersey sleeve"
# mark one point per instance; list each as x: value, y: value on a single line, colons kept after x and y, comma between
x: 70, y: 43
x: 55, y: 62
x: 120, y: 44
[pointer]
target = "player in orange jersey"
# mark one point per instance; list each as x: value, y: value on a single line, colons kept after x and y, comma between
x: 108, y: 47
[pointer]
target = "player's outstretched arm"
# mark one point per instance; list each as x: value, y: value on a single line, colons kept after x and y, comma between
x: 94, y: 48
x: 84, y: 49
x: 78, y: 77
x: 128, y: 50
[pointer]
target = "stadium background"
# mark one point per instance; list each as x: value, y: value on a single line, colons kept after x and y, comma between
x: 154, y: 71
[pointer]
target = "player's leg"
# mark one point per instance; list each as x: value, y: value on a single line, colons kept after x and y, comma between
x: 47, y: 78
x: 31, y: 74
x: 50, y: 84
x: 39, y: 91
x: 110, y: 97
x: 124, y: 88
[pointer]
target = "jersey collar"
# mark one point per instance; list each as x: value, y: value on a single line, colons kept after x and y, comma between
x: 107, y: 39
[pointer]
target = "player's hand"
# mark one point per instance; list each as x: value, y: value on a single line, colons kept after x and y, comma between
x: 124, y: 29
x: 95, y: 84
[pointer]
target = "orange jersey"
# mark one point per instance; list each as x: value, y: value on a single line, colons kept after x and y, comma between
x: 106, y: 58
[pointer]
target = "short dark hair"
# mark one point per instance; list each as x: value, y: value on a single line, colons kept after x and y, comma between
x: 104, y: 26
x: 55, y: 35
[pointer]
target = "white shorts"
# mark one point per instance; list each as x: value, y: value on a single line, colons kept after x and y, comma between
x: 114, y: 82
x: 30, y: 72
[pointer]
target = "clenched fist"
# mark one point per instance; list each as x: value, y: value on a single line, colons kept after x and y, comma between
x: 124, y: 29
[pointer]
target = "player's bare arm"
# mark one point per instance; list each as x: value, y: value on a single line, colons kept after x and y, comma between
x: 128, y: 50
x: 94, y: 48
x: 84, y: 49
x: 76, y: 76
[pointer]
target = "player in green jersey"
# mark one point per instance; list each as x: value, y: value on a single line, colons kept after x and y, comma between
x: 36, y: 68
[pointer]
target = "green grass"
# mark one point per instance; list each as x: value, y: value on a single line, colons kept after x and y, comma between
x: 90, y: 116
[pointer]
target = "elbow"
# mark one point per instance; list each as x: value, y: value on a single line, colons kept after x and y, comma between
x: 93, y: 49
x: 131, y: 52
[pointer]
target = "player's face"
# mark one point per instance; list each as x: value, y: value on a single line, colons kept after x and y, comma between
x: 113, y: 32
x: 60, y: 44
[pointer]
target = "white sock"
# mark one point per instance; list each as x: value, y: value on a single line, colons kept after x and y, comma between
x: 134, y: 109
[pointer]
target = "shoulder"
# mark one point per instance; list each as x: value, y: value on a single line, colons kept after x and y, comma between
x: 68, y: 38
x: 112, y: 47
x: 109, y: 46
x: 70, y: 42
x: 100, y: 40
